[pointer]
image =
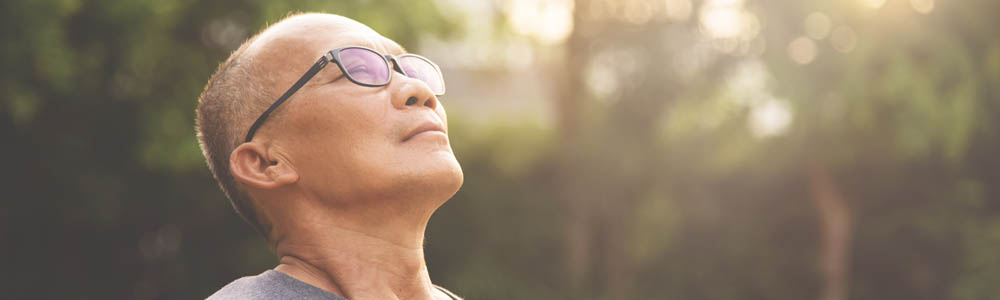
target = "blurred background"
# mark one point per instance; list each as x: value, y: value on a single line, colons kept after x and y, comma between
x: 634, y: 149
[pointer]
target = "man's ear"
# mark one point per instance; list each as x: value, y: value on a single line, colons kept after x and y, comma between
x: 252, y: 165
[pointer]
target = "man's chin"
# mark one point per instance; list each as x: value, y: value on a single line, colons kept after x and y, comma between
x: 446, y: 174
x: 438, y: 177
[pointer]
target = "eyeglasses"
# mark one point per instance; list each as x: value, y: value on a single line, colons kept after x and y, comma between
x: 364, y: 67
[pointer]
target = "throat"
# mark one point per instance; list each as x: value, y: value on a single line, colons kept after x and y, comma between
x: 357, y: 266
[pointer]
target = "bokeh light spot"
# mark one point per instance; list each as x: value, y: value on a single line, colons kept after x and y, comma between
x: 802, y: 50
x: 843, y: 39
x: 817, y: 25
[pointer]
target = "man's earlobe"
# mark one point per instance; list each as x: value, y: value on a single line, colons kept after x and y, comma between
x: 251, y: 165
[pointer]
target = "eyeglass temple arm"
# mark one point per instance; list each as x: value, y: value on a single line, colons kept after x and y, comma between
x: 322, y: 62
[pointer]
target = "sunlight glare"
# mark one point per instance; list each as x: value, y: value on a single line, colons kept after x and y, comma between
x: 922, y: 6
x: 726, y: 19
x: 770, y: 118
x: 550, y: 22
x: 876, y: 4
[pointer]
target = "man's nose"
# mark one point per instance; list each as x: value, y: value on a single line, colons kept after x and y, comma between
x: 412, y: 93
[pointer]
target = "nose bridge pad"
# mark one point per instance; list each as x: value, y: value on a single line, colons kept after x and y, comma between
x: 395, y: 64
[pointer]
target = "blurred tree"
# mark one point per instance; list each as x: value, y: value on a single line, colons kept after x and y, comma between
x: 898, y: 100
x: 900, y: 95
x: 620, y: 76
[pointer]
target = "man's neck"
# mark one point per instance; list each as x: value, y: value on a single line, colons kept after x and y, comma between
x: 377, y: 263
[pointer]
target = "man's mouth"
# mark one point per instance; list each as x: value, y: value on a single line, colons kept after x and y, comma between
x: 425, y: 128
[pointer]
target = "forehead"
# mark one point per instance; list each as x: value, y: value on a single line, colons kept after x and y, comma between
x: 380, y: 43
x: 306, y: 37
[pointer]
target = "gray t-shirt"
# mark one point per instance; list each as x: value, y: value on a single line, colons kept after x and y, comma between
x: 276, y: 285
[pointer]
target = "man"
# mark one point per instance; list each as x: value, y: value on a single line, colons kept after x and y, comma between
x: 340, y: 168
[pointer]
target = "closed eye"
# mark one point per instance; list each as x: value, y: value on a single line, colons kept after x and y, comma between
x: 358, y: 69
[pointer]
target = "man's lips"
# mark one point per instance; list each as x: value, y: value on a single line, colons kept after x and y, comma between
x: 424, y: 127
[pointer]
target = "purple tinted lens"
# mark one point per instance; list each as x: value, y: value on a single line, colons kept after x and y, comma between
x: 365, y: 66
x: 419, y: 68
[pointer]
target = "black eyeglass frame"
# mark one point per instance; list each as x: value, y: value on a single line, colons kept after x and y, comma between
x: 334, y: 56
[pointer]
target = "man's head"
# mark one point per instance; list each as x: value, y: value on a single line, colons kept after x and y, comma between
x: 335, y: 147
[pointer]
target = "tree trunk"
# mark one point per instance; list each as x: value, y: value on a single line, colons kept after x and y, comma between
x: 835, y: 230
x: 579, y: 213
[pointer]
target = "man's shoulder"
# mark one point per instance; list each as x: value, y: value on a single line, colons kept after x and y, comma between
x: 276, y: 285
x: 448, y: 293
x: 271, y: 285
x: 249, y: 287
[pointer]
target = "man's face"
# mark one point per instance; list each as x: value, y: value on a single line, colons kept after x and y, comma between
x: 347, y: 142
